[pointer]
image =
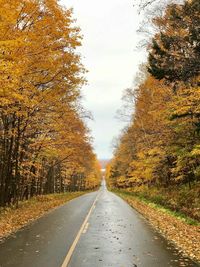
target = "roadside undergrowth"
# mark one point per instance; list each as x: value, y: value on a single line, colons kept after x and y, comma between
x: 179, y: 229
x: 12, y: 219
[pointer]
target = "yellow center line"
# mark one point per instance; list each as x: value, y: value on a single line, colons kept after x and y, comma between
x: 86, y: 227
x: 73, y: 246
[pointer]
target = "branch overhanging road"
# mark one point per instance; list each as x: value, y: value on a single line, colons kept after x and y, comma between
x: 95, y: 230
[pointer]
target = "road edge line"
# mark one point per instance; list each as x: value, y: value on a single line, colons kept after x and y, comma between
x: 75, y: 242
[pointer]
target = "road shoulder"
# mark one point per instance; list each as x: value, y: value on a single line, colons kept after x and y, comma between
x: 185, y: 237
x: 13, y: 219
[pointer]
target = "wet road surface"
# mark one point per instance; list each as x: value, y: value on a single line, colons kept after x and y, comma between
x: 114, y: 236
x: 45, y: 242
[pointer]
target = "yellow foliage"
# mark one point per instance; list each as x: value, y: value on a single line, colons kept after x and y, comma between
x: 44, y: 142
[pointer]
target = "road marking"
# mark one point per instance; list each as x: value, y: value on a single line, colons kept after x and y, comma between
x: 86, y: 227
x: 73, y: 246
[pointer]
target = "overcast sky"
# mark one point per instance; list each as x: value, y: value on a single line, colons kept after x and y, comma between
x: 109, y: 53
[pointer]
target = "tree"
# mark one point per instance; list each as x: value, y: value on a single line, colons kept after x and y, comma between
x: 175, y: 48
x: 40, y: 75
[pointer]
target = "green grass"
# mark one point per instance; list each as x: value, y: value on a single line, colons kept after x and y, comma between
x: 155, y: 202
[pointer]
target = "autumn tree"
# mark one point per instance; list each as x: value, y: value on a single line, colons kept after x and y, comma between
x: 164, y: 131
x: 175, y: 57
x: 40, y: 75
x: 175, y: 48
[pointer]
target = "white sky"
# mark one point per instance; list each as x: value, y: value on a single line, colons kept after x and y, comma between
x: 109, y: 53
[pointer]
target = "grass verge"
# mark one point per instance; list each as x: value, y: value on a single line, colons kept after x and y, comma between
x: 154, y: 202
x: 180, y: 199
x: 12, y: 219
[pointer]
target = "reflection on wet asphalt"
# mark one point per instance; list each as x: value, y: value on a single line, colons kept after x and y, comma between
x: 118, y: 236
x: 115, y: 236
x: 45, y: 242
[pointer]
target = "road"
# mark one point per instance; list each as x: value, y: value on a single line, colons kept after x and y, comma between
x: 95, y: 230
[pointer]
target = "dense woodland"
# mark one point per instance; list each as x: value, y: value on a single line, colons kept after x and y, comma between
x: 45, y: 145
x: 161, y: 144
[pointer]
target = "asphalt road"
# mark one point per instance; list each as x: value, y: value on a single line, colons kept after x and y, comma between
x: 113, y: 235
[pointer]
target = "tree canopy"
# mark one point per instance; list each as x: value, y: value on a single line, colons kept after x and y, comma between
x: 45, y: 145
x: 161, y: 144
